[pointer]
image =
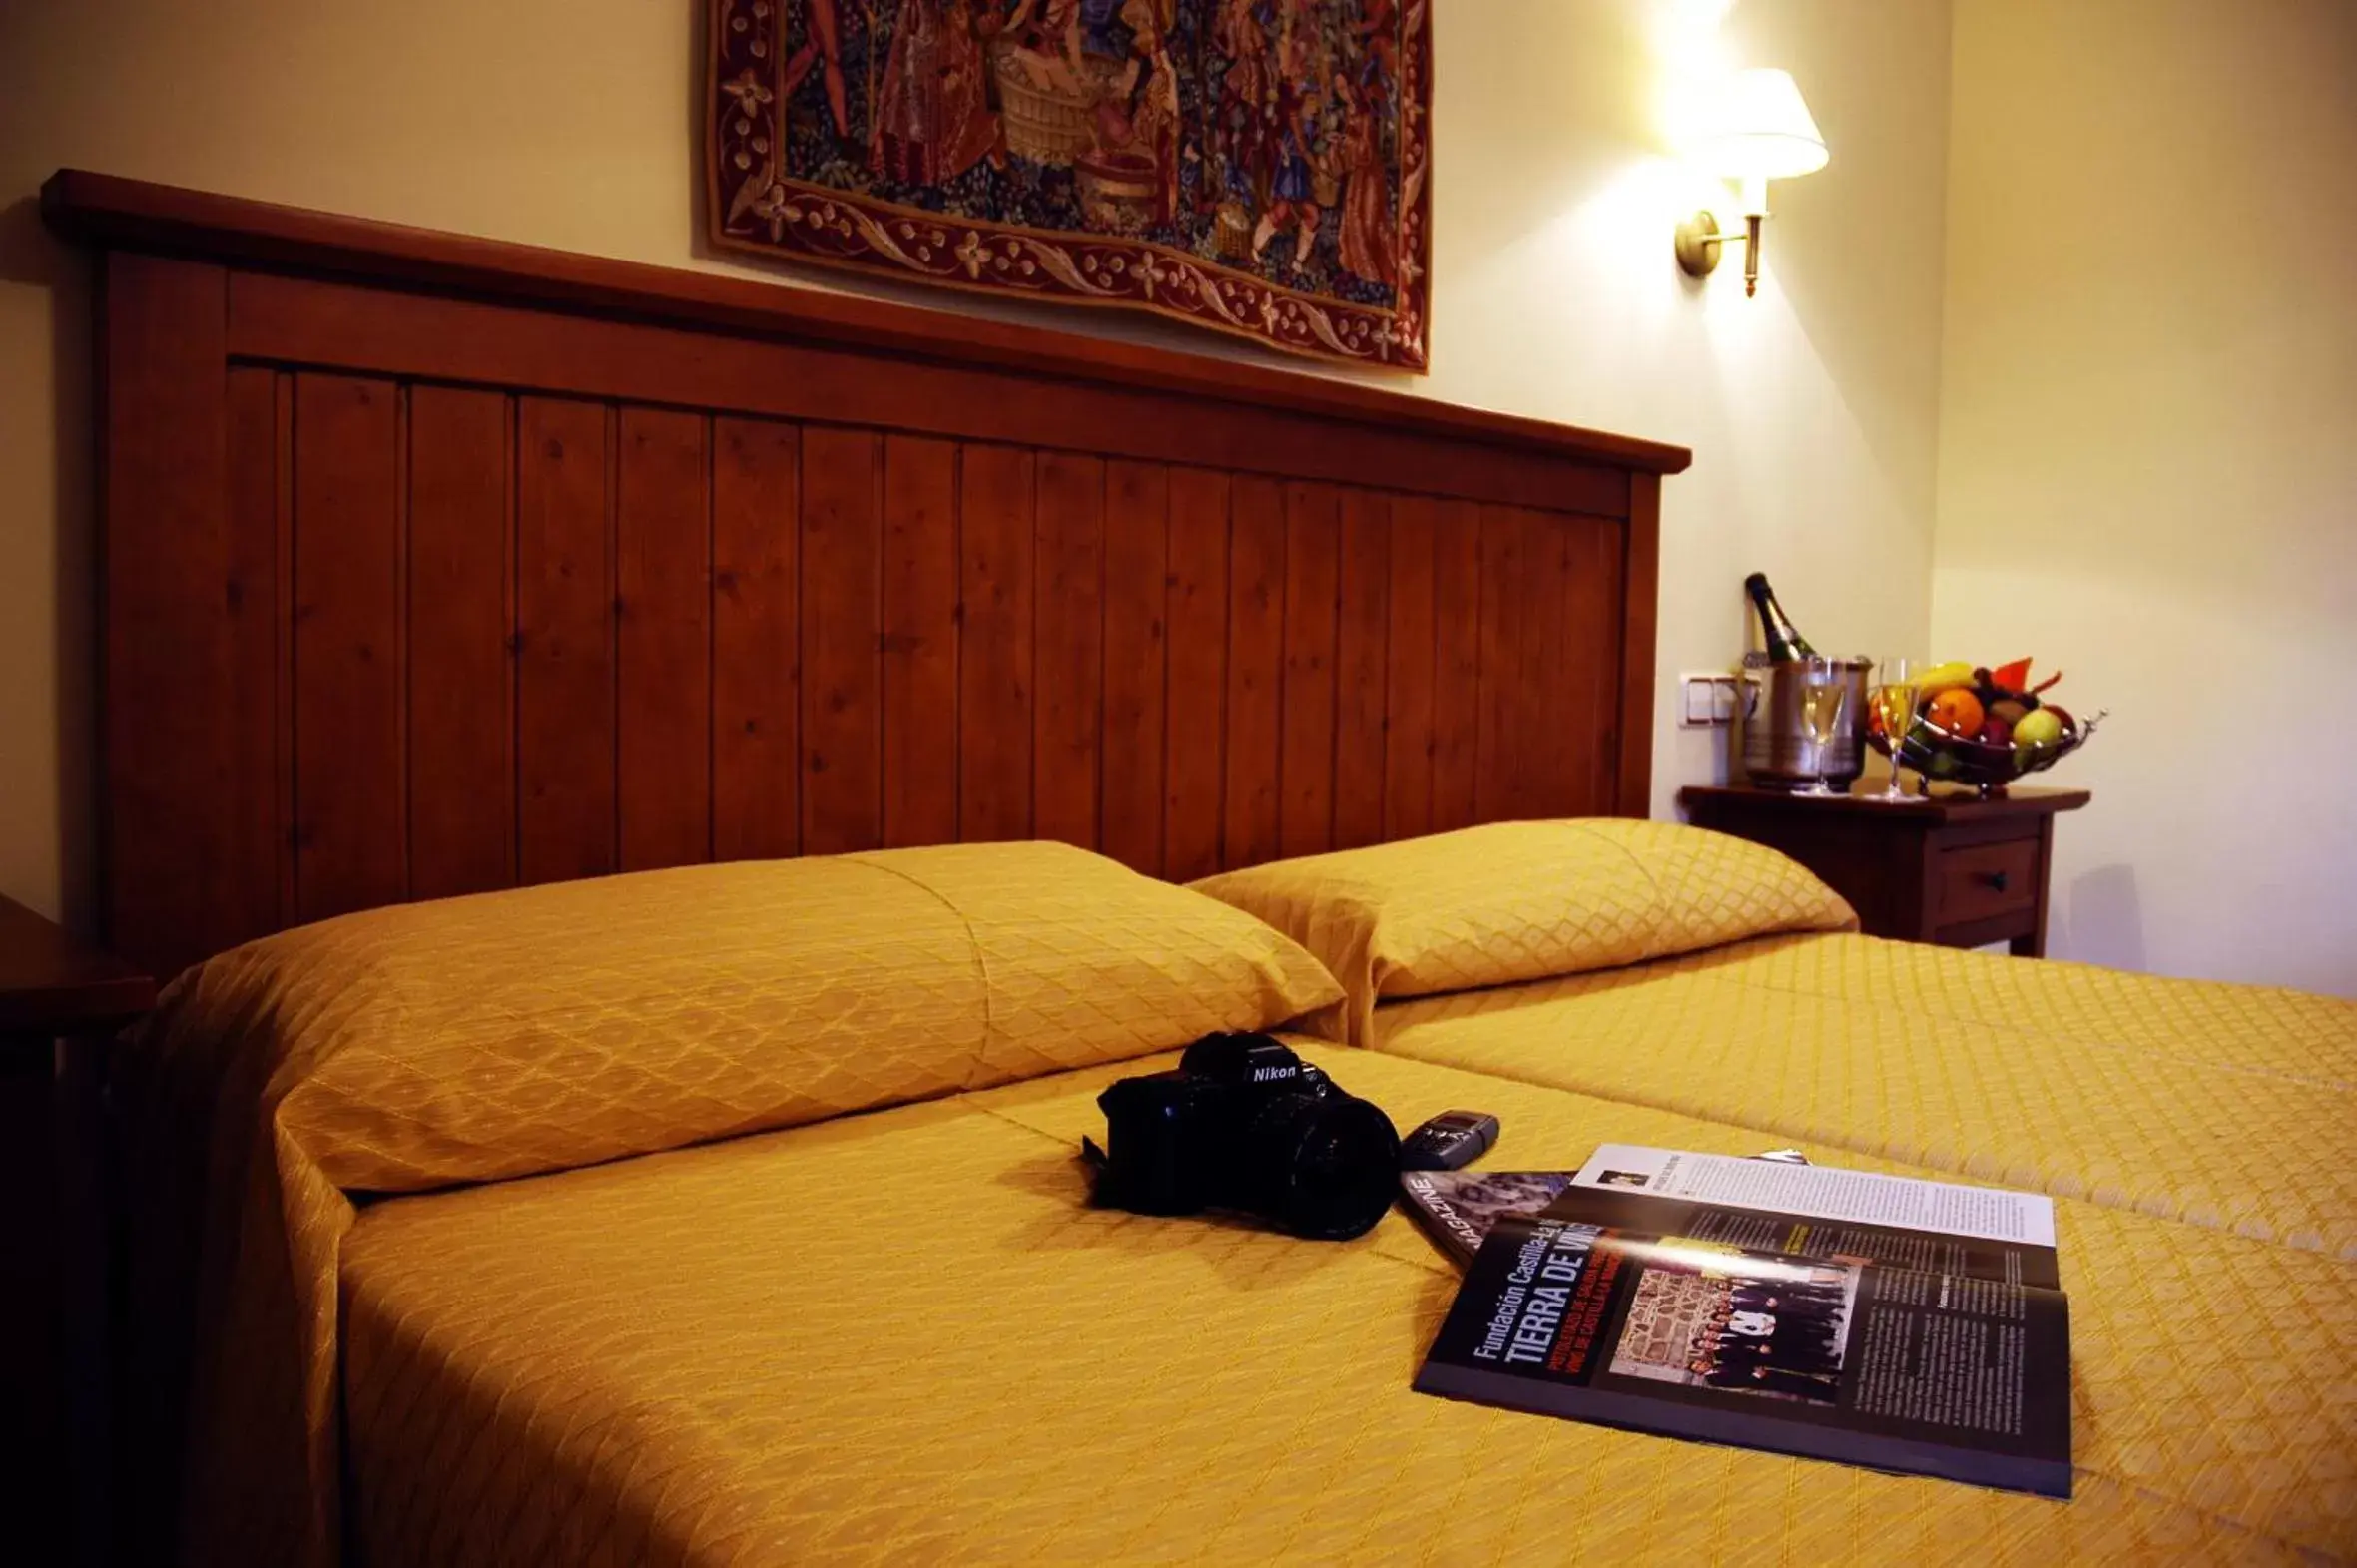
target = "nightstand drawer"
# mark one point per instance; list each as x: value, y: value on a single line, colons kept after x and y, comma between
x: 1959, y: 870
x: 1980, y: 881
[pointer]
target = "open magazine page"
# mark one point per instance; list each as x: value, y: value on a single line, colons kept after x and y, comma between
x: 1807, y: 1236
x: 1826, y: 1192
x: 1825, y: 1211
x: 1890, y: 1367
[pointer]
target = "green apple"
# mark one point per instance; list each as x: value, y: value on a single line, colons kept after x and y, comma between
x: 2037, y: 728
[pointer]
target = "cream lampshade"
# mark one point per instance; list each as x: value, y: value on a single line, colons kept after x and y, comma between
x: 1758, y: 128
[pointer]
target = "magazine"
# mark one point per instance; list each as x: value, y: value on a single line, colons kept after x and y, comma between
x: 1457, y: 1208
x: 1909, y: 1325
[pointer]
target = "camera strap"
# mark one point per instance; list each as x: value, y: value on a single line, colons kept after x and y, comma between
x: 1101, y: 1191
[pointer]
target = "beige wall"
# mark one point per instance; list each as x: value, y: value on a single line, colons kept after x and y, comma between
x: 2149, y: 456
x: 1812, y: 408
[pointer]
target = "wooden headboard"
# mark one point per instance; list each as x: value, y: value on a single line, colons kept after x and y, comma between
x: 433, y: 565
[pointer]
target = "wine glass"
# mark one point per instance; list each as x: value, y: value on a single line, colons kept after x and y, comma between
x: 1825, y: 695
x: 1896, y: 683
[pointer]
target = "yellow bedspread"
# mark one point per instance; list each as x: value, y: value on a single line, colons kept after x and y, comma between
x: 2226, y: 1106
x: 543, y: 1028
x: 901, y: 1336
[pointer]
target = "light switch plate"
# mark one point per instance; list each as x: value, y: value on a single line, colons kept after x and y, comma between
x: 1707, y: 698
x: 1704, y: 699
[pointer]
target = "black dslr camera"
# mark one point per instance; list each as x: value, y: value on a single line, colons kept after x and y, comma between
x: 1243, y: 1123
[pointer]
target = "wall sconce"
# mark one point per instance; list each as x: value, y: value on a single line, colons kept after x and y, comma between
x: 1758, y: 130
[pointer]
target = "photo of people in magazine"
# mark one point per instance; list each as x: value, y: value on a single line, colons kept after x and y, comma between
x: 1707, y: 1316
x: 1490, y: 1194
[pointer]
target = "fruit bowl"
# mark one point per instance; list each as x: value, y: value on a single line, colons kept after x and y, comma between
x: 1965, y: 718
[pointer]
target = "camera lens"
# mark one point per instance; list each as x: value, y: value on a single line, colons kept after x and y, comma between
x: 1323, y: 1167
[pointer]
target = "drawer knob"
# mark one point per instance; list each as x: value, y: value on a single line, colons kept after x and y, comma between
x: 1996, y: 879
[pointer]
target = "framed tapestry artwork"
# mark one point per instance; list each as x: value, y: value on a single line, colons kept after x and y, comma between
x: 1258, y: 167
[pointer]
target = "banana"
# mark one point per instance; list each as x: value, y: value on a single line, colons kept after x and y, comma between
x: 1944, y: 678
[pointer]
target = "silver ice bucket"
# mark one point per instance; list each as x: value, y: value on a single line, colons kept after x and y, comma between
x: 1777, y: 751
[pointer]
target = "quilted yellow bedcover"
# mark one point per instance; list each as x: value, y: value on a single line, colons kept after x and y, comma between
x: 2225, y: 1106
x: 902, y: 1337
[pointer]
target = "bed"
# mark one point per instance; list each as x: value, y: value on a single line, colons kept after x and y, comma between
x: 731, y: 1213
x: 1062, y: 1384
x: 2218, y: 1105
x: 2222, y: 1106
x: 588, y: 1137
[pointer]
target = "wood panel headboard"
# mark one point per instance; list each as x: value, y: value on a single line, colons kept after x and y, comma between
x: 433, y: 565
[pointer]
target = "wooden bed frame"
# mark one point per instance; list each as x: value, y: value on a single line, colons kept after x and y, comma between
x: 433, y: 564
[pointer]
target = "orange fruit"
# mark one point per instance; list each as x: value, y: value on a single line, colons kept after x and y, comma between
x: 1956, y: 711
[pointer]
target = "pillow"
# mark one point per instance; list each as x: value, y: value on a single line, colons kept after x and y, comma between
x: 1525, y: 900
x: 552, y: 1027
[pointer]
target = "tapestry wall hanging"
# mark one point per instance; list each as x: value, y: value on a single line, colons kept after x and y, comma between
x: 1259, y: 167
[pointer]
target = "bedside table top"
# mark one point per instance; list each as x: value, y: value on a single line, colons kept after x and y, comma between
x: 52, y: 982
x: 1937, y: 810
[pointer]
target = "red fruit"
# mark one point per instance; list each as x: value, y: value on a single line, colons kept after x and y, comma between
x: 2013, y: 676
x: 1995, y: 732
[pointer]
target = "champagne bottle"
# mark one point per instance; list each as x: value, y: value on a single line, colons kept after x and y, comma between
x: 1784, y: 640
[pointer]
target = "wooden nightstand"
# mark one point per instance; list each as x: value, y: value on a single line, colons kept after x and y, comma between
x: 59, y: 998
x: 1953, y: 870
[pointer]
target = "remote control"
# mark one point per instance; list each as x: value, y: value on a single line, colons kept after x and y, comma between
x: 1448, y: 1142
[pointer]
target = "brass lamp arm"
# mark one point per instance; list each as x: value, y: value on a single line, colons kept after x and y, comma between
x: 1699, y: 239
